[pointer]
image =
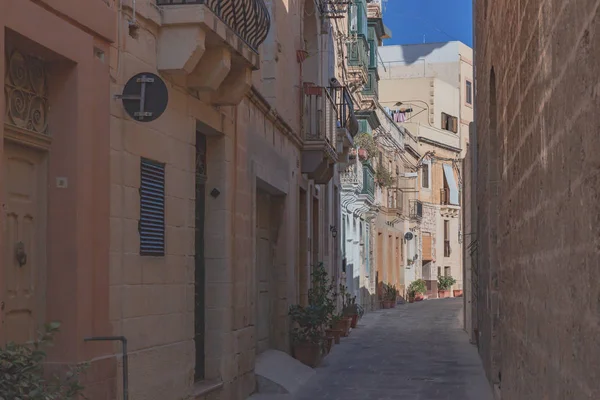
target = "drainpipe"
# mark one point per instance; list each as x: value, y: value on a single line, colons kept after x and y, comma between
x: 123, y: 341
x: 468, y: 294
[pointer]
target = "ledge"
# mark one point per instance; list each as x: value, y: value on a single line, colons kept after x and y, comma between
x: 203, y: 388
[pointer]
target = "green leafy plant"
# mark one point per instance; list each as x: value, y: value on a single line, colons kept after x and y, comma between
x: 445, y: 282
x: 22, y: 374
x: 384, y: 177
x: 310, y: 321
x: 390, y: 292
x: 418, y: 286
x: 366, y: 141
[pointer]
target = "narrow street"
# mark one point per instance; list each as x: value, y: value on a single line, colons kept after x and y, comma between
x: 413, y: 352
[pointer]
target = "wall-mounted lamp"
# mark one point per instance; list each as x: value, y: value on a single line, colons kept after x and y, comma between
x: 333, y: 230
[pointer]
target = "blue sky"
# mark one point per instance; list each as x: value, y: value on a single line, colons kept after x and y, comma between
x: 436, y: 20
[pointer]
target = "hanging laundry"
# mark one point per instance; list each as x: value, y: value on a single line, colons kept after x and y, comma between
x: 399, y: 117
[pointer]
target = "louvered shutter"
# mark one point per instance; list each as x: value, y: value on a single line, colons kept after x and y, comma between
x: 152, y: 208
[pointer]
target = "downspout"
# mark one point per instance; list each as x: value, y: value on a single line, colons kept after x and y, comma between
x: 468, y: 291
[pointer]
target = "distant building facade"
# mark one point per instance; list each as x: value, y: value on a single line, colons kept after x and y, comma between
x: 428, y: 89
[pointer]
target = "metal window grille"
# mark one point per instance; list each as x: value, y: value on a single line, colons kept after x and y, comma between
x: 152, y: 208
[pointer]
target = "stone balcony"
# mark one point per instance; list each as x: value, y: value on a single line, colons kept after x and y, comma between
x: 326, y: 135
x: 211, y: 46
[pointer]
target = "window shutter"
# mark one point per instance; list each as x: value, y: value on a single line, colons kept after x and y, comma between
x: 444, y: 121
x: 152, y: 208
x: 455, y: 124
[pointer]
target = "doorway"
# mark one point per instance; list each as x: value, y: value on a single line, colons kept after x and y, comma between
x: 199, y: 265
x: 303, y: 251
x: 264, y: 268
x: 22, y: 291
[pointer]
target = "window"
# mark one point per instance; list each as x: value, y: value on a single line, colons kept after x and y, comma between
x: 447, y: 271
x: 372, y: 54
x: 449, y: 123
x: 439, y: 271
x: 358, y: 22
x: 425, y: 175
x: 469, y: 95
x: 353, y: 18
x: 447, y: 249
x: 152, y: 208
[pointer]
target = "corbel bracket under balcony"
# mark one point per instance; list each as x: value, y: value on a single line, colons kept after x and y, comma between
x: 201, y: 51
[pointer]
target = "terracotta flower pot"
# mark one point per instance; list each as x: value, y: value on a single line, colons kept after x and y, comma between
x: 362, y: 154
x: 419, y: 297
x: 328, y: 344
x: 341, y: 326
x: 442, y: 294
x: 337, y: 334
x: 393, y: 303
x: 354, y: 321
x: 458, y: 293
x: 411, y: 299
x: 348, y: 322
x: 308, y: 354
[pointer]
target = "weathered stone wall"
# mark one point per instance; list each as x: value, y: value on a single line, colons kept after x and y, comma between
x: 538, y: 186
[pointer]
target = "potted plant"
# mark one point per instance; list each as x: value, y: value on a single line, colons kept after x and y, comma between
x: 457, y: 293
x: 367, y: 148
x: 307, y: 336
x: 444, y: 285
x: 350, y: 308
x: 338, y: 327
x: 416, y: 290
x: 393, y: 295
x: 346, y: 313
x: 390, y: 295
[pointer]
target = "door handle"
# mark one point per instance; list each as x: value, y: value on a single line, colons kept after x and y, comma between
x: 20, y: 254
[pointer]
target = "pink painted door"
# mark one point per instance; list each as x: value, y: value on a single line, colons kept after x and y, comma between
x: 21, y: 289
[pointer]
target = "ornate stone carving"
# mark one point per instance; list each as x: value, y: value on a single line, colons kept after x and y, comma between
x: 25, y: 89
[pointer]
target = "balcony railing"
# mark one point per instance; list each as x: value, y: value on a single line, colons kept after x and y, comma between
x: 345, y: 109
x: 248, y: 18
x: 352, y: 176
x: 445, y: 197
x: 416, y: 209
x: 394, y: 201
x: 320, y: 115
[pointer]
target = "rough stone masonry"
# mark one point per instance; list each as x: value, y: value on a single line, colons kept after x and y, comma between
x: 537, y: 279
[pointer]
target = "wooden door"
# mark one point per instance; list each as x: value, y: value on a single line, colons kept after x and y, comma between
x: 22, y: 286
x: 264, y: 262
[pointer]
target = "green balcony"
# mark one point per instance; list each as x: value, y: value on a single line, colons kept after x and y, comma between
x: 368, y: 188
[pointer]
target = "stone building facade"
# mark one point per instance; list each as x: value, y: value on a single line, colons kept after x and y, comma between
x: 190, y: 234
x: 535, y: 307
x: 375, y: 195
x: 54, y: 180
x: 429, y: 88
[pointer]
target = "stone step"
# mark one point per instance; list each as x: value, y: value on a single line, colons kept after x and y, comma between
x: 279, y: 373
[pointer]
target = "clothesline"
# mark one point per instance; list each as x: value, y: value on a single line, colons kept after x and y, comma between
x: 399, y: 114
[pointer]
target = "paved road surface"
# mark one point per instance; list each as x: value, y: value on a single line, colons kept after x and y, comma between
x: 414, y: 352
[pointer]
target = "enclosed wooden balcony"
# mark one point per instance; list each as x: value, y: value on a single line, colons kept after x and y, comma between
x: 211, y: 46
